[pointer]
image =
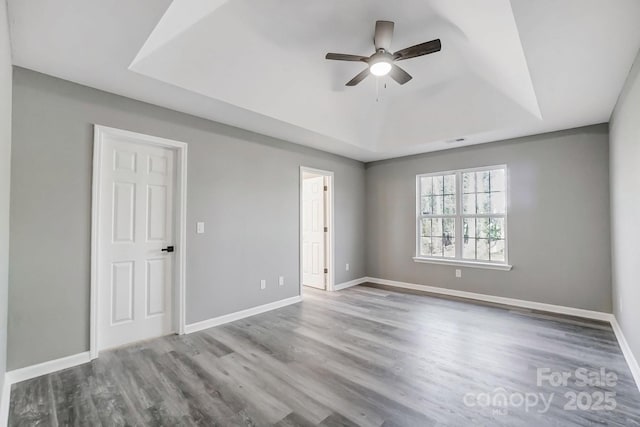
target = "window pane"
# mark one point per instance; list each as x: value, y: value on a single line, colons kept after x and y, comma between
x: 468, y: 229
x: 497, y: 202
x: 496, y: 229
x: 469, y: 204
x: 449, y: 227
x: 427, y: 205
x: 484, y: 203
x: 482, y: 182
x: 425, y: 227
x: 450, y: 184
x: 469, y: 249
x: 438, y: 184
x: 482, y: 249
x: 436, y: 227
x: 449, y: 248
x: 497, y: 180
x: 469, y: 182
x: 497, y: 250
x: 468, y: 238
x: 448, y: 237
x: 438, y: 205
x: 425, y: 246
x: 426, y: 186
x: 450, y: 205
x: 436, y: 246
x: 482, y: 228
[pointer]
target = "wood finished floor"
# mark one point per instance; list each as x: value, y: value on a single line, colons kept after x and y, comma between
x: 365, y: 356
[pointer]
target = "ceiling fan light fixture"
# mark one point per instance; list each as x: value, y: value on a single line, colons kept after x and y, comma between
x: 380, y: 68
x: 382, y: 62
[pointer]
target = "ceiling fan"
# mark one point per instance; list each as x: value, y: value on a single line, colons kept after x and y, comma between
x: 382, y: 61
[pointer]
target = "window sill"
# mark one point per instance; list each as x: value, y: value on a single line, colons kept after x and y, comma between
x: 459, y: 263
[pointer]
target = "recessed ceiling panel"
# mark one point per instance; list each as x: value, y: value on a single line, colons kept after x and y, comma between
x: 268, y: 57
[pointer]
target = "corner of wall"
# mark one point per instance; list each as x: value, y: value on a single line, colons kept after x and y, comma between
x: 624, y: 150
x: 6, y: 73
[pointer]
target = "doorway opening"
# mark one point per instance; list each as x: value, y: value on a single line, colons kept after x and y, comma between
x: 316, y: 229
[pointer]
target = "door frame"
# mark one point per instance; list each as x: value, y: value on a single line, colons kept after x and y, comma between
x: 329, y: 249
x: 180, y: 201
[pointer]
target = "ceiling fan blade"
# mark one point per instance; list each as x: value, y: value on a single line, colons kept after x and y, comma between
x: 418, y: 50
x: 399, y: 75
x: 357, y: 79
x: 345, y: 57
x: 383, y: 35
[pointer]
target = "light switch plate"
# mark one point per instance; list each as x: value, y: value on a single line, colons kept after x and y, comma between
x: 458, y: 272
x: 200, y: 227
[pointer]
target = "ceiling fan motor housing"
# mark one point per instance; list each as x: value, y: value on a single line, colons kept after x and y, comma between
x: 380, y: 56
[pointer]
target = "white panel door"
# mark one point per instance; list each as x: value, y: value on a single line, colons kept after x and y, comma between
x: 135, y: 277
x: 313, y: 235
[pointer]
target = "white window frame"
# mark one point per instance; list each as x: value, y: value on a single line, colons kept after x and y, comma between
x: 459, y: 216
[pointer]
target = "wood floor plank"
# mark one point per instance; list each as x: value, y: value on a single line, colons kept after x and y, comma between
x: 367, y: 356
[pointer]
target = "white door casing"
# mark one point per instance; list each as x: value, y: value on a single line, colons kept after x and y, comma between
x: 134, y: 295
x: 313, y: 232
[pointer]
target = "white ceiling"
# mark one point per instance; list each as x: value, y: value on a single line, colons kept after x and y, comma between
x: 506, y: 69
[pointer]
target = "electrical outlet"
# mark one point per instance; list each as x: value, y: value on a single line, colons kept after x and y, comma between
x: 281, y: 281
x: 458, y: 273
x: 347, y: 267
x: 263, y: 284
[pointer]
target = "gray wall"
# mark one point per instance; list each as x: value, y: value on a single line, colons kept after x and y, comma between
x: 625, y: 208
x: 558, y: 218
x: 559, y: 242
x: 243, y: 185
x: 5, y: 175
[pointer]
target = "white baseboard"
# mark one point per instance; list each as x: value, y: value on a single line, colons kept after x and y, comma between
x: 626, y: 350
x: 216, y: 321
x: 4, y: 402
x: 33, y: 371
x: 569, y: 311
x: 349, y: 284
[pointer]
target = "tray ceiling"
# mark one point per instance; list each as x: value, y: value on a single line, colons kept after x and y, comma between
x: 506, y: 69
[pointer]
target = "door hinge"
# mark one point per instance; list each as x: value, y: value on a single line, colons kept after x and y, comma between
x: 326, y: 270
x: 326, y: 229
x: 326, y: 188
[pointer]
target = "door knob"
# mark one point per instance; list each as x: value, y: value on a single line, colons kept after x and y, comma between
x: 168, y: 249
